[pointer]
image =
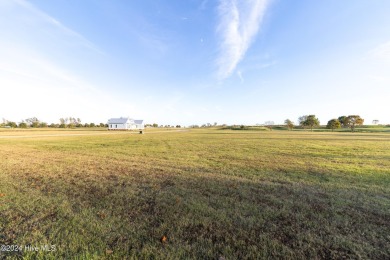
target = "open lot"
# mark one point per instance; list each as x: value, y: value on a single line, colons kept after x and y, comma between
x: 204, y: 193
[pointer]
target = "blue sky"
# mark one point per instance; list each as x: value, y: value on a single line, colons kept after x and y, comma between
x: 195, y: 61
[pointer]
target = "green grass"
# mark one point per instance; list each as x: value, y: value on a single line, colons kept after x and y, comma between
x: 212, y: 193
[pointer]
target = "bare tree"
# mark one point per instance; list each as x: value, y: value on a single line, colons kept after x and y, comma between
x: 289, y: 124
x: 269, y: 124
x: 33, y: 122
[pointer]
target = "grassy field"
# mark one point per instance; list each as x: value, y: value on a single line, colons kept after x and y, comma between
x: 204, y: 193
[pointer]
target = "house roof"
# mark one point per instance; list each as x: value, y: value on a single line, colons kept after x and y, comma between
x: 121, y: 120
x: 138, y: 122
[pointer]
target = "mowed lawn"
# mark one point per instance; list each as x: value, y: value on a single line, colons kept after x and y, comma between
x: 206, y: 194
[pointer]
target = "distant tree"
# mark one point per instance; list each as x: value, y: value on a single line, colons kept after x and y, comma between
x: 333, y: 124
x: 11, y: 124
x: 22, y: 125
x: 72, y: 122
x: 33, y: 122
x: 78, y: 123
x: 178, y: 126
x: 215, y: 123
x: 42, y: 124
x: 101, y: 125
x: 289, y: 124
x: 269, y: 124
x: 52, y: 125
x: 92, y: 125
x: 302, y: 120
x: 343, y: 121
x: 354, y: 120
x: 309, y: 121
x: 62, y: 126
x: 62, y: 121
x: 155, y: 125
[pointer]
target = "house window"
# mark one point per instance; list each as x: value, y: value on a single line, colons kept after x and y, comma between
x: 116, y: 126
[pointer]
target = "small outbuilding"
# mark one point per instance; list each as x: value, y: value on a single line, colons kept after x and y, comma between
x: 125, y: 123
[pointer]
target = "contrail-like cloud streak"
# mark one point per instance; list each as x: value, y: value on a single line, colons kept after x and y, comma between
x: 239, y: 22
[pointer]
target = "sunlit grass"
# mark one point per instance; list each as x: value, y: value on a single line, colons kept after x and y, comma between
x: 210, y: 193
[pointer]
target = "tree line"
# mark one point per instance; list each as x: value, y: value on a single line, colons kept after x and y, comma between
x: 162, y: 126
x: 65, y: 122
x: 306, y: 121
x: 310, y: 121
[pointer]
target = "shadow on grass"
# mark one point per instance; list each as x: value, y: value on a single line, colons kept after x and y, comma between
x: 126, y: 213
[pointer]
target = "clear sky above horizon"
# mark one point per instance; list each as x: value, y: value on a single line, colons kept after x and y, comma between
x: 195, y: 61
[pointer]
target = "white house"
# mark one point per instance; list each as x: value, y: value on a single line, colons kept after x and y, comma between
x: 125, y: 123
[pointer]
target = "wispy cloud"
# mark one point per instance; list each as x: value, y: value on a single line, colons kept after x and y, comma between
x: 52, y: 21
x: 203, y: 4
x: 38, y: 83
x: 381, y: 52
x: 239, y: 22
x: 377, y: 65
x: 239, y: 74
x: 34, y: 70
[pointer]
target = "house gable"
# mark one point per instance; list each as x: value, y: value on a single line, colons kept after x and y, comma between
x: 124, y: 123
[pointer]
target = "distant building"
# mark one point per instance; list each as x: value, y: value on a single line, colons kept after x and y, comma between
x: 125, y: 123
